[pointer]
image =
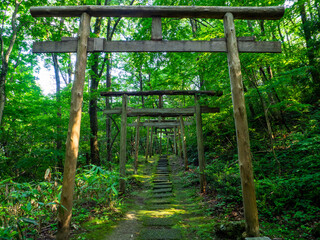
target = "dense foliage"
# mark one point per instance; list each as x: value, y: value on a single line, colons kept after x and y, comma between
x: 282, y: 97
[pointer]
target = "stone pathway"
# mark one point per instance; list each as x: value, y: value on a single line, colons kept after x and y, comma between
x: 158, y: 221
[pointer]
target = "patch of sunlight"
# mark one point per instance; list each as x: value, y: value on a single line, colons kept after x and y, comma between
x: 162, y: 212
x: 95, y: 221
x: 131, y: 216
x: 141, y: 176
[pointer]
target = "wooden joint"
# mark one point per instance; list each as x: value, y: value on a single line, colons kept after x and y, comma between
x: 156, y: 29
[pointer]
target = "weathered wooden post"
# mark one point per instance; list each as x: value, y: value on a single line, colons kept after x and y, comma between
x: 151, y: 143
x: 72, y: 144
x: 167, y: 134
x: 147, y: 143
x: 175, y: 140
x: 242, y: 131
x: 123, y: 144
x: 184, y: 144
x: 202, y: 163
x: 136, y: 155
x: 160, y: 118
x: 180, y: 152
x: 160, y: 144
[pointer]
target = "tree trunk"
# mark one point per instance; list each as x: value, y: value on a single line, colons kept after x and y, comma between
x: 58, y: 99
x: 5, y: 55
x: 306, y: 25
x: 141, y: 87
x: 108, y: 106
x: 72, y: 144
x: 95, y: 78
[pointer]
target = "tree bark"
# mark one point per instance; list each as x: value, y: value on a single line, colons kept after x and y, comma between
x: 108, y: 60
x: 5, y: 55
x: 58, y: 99
x: 306, y: 25
x: 108, y: 106
x: 242, y: 130
x: 141, y: 87
x: 93, y: 106
x: 72, y: 144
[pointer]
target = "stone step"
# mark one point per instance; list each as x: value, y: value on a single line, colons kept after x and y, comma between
x: 162, y: 195
x: 160, y: 207
x: 160, y: 234
x: 161, y: 177
x: 161, y: 201
x: 158, y: 222
x: 162, y: 186
x: 162, y: 190
x: 156, y: 181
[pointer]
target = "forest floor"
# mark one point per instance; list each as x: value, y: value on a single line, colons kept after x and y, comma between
x: 153, y: 213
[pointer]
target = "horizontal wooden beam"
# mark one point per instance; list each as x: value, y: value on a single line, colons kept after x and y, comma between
x: 101, y: 45
x: 162, y: 112
x: 250, y: 13
x: 161, y: 92
x: 159, y: 124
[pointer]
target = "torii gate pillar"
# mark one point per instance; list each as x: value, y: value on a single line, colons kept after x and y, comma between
x: 242, y: 131
x: 72, y: 144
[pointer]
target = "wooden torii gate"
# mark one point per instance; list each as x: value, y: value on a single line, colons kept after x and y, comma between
x: 163, y: 124
x: 230, y: 44
x: 161, y: 112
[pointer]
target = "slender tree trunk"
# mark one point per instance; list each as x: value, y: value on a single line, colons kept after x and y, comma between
x: 268, y: 123
x: 141, y: 87
x: 93, y: 106
x: 58, y: 99
x: 5, y: 56
x: 3, y: 80
x: 108, y: 106
x: 72, y: 144
x: 108, y: 58
x: 306, y: 25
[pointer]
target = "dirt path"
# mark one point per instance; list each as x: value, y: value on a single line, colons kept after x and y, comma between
x: 165, y: 206
x: 152, y: 214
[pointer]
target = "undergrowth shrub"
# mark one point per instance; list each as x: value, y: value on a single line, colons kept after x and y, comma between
x: 29, y: 209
